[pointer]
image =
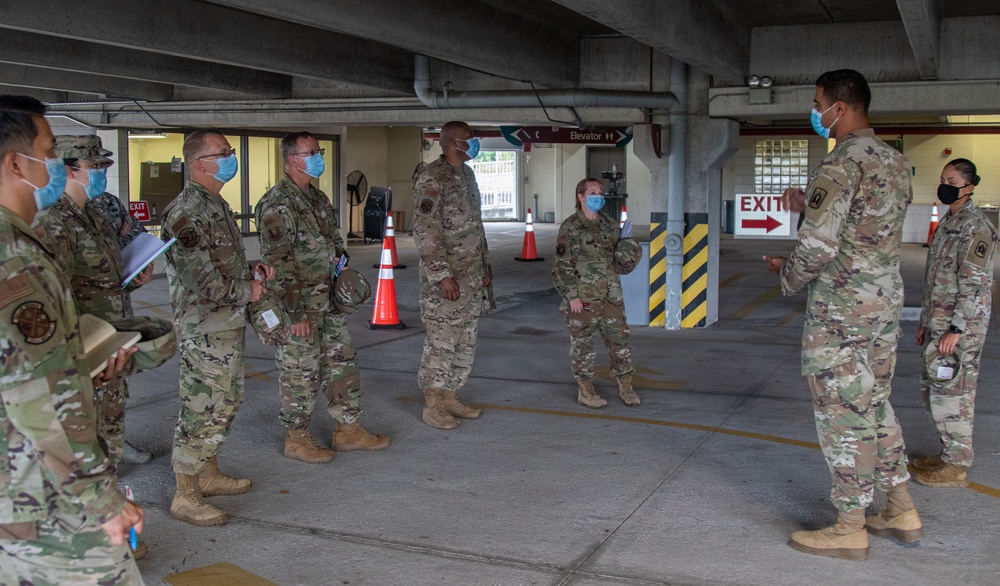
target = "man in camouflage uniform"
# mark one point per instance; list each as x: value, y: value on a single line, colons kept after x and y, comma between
x: 211, y: 284
x: 300, y: 239
x: 848, y: 255
x: 63, y: 520
x: 455, y: 274
x: 591, y: 292
x: 88, y: 252
x: 956, y: 312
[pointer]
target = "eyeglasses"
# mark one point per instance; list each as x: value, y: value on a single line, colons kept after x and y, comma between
x: 304, y: 154
x: 220, y: 155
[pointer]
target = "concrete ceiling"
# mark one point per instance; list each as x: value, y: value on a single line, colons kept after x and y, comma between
x: 341, y: 55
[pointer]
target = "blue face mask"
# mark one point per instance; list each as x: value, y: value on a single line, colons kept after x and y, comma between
x: 816, y: 118
x: 315, y: 165
x: 595, y: 203
x: 53, y: 190
x: 227, y: 168
x: 98, y: 183
x: 473, y: 150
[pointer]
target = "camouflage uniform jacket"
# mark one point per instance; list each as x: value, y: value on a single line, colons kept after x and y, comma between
x: 848, y: 249
x: 52, y: 463
x: 207, y: 266
x: 448, y: 227
x: 584, y: 253
x: 959, y: 278
x: 299, y: 238
x: 87, y: 250
x: 114, y: 212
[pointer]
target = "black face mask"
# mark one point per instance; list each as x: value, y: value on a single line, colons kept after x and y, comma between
x: 948, y: 194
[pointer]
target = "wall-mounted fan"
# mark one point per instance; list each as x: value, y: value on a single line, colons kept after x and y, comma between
x: 357, y: 191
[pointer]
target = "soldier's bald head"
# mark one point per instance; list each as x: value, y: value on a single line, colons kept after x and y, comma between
x: 454, y: 129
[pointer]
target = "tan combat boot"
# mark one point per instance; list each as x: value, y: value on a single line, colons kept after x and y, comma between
x: 847, y: 539
x: 299, y: 445
x: 625, y: 390
x: 215, y: 483
x: 946, y: 476
x: 587, y: 396
x: 456, y: 408
x: 434, y: 413
x: 928, y: 463
x: 187, y: 505
x: 351, y: 436
x: 899, y: 519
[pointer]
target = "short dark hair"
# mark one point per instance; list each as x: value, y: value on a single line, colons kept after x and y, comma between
x: 965, y: 168
x: 22, y: 104
x: 18, y: 131
x: 847, y: 86
x: 291, y: 142
x: 195, y: 143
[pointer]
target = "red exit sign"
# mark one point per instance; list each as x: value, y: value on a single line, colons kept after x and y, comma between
x: 139, y: 210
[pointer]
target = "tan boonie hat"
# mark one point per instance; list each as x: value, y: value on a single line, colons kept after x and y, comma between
x: 350, y: 291
x: 86, y: 147
x: 942, y: 368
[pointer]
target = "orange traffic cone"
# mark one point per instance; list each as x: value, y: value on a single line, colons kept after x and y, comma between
x: 528, y: 251
x: 385, y: 316
x: 933, y: 225
x: 621, y: 224
x: 390, y: 236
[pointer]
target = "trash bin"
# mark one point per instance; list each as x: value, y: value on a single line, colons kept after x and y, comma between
x: 379, y: 202
x: 729, y: 222
x: 550, y: 218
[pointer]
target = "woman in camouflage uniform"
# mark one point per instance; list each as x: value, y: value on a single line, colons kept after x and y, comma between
x: 956, y: 311
x: 592, y: 294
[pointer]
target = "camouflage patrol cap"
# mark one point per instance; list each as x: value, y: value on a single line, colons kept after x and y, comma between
x: 942, y: 368
x: 269, y: 319
x: 86, y: 147
x: 157, y: 345
x: 628, y: 253
x: 350, y: 291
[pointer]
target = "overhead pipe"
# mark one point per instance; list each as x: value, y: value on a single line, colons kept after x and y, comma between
x: 560, y: 98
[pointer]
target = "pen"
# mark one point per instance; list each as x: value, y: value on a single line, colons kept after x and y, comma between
x: 133, y: 541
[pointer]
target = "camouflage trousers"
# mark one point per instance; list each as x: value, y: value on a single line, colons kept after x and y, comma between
x: 607, y: 319
x: 449, y: 348
x: 110, y: 402
x: 68, y: 551
x: 322, y: 362
x: 952, y: 405
x: 211, y: 390
x: 857, y: 427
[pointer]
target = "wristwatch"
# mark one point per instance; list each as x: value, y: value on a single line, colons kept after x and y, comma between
x: 955, y: 330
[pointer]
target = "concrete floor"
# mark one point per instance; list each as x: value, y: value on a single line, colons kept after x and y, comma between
x: 701, y: 484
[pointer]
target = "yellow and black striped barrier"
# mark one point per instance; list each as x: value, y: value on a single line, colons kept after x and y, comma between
x: 657, y: 269
x: 694, y: 273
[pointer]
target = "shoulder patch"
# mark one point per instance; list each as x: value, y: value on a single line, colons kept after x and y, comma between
x: 33, y: 322
x: 189, y: 237
x: 40, y: 232
x: 13, y: 289
x: 426, y: 206
x: 270, y: 219
x: 821, y: 196
x: 561, y: 249
x: 981, y: 251
x: 817, y: 198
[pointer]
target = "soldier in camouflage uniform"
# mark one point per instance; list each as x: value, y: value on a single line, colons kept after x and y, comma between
x: 848, y: 256
x: 87, y: 250
x: 455, y: 274
x: 592, y: 294
x: 211, y: 284
x: 300, y: 239
x: 956, y: 312
x: 63, y: 520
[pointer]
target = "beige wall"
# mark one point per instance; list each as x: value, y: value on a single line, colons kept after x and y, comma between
x: 404, y: 155
x: 926, y: 154
x: 639, y: 183
x: 366, y: 148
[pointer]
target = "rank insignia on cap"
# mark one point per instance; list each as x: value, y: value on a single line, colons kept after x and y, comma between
x: 32, y: 321
x: 981, y: 249
x: 817, y: 197
x: 189, y: 237
x: 426, y: 206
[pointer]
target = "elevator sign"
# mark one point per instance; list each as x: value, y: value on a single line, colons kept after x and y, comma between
x: 762, y: 215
